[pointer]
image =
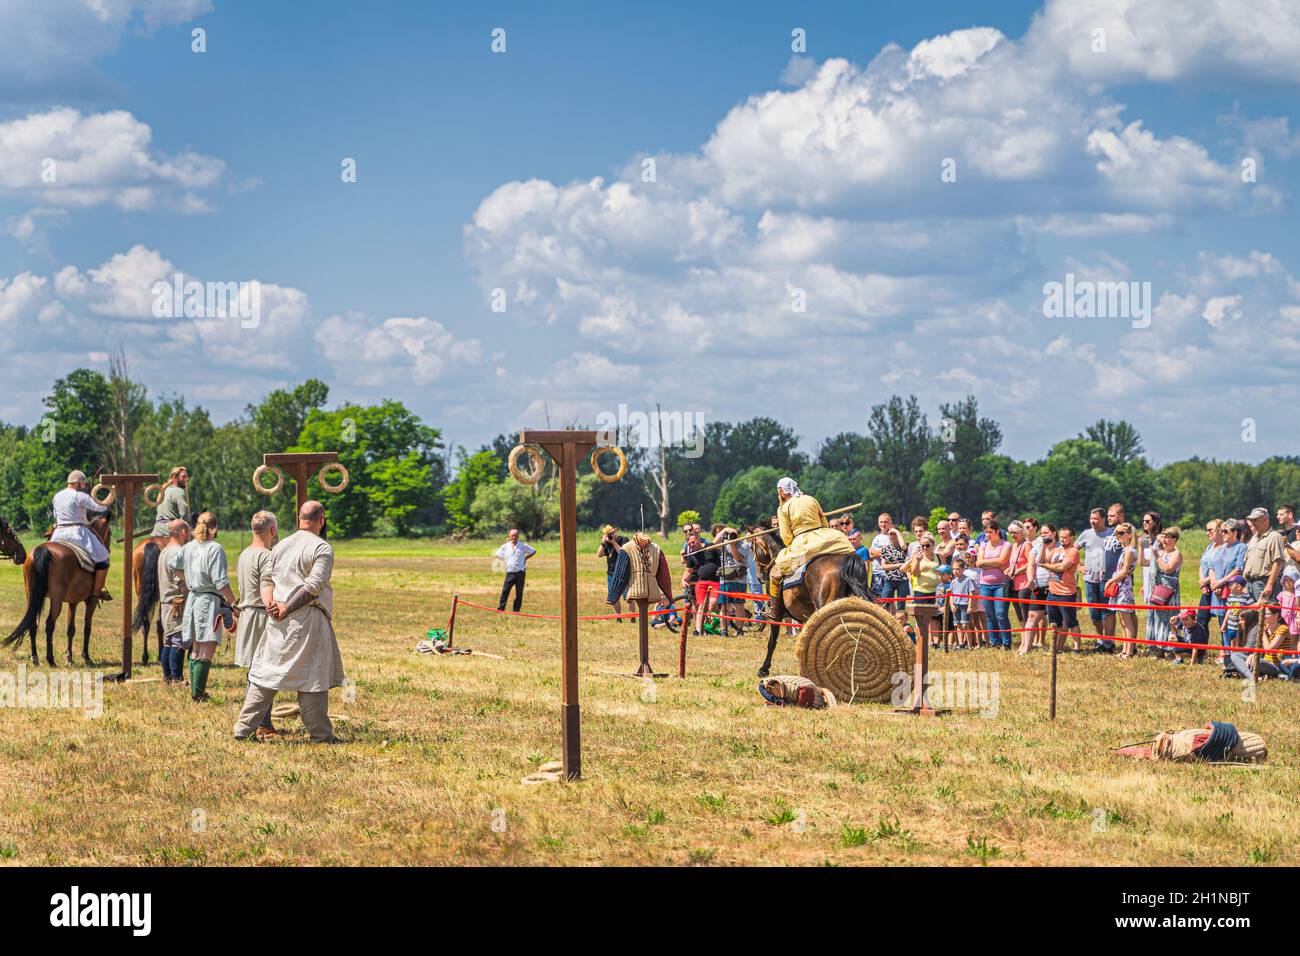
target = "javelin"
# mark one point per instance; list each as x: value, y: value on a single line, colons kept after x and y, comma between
x: 759, y: 534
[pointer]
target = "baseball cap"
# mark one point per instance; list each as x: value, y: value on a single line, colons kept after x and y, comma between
x: 1257, y: 513
x: 1236, y: 579
x: 944, y: 569
x: 75, y: 476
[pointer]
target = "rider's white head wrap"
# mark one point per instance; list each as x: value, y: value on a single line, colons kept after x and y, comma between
x: 789, y: 486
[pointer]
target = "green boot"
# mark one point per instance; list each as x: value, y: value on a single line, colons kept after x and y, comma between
x: 199, y: 678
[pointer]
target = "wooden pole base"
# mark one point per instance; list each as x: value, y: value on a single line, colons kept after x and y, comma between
x: 920, y: 706
x: 643, y: 638
x: 571, y: 715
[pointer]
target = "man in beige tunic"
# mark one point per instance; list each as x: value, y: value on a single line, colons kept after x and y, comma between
x: 299, y: 651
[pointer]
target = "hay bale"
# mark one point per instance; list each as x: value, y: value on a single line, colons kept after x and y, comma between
x: 854, y: 648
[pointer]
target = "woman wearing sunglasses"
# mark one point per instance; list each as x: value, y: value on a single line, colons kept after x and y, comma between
x: 1120, y: 587
x: 923, y: 566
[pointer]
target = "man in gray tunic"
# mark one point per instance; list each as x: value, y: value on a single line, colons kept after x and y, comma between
x: 299, y: 652
x: 175, y: 502
x: 254, y: 573
x: 171, y: 601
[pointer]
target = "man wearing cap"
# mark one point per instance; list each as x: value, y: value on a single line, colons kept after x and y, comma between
x: 1265, y: 556
x: 611, y: 543
x: 71, y: 526
x: 175, y: 502
x: 806, y: 534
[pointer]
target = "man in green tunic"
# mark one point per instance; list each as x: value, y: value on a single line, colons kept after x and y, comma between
x: 175, y: 502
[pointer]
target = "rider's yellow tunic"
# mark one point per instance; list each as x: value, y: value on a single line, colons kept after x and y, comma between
x: 806, y: 534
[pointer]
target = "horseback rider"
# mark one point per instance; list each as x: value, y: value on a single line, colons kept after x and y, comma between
x: 175, y: 502
x: 70, y: 526
x: 806, y: 534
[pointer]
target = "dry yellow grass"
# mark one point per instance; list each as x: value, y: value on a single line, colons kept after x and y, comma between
x: 703, y: 774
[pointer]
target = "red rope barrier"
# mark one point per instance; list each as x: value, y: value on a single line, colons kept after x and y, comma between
x: 1113, y: 607
x: 556, y: 617
x: 1012, y: 630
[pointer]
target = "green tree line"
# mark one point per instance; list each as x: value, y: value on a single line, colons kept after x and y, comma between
x: 404, y: 480
x: 108, y: 423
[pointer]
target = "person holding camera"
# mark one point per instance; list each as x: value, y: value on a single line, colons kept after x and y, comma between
x: 611, y: 543
x: 732, y: 571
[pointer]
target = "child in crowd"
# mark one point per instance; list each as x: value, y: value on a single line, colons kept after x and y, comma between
x: 670, y: 620
x: 1237, y: 599
x: 1287, y: 599
x: 959, y: 590
x: 944, y: 621
x: 1189, y: 631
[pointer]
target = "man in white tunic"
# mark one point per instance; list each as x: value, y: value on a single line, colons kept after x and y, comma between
x: 299, y: 652
x: 72, y: 526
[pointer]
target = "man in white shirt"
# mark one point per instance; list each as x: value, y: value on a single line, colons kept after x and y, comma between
x: 1101, y: 553
x: 881, y: 541
x: 71, y: 525
x: 513, y: 554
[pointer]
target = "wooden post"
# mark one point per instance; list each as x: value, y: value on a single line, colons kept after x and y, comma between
x: 920, y: 703
x: 643, y: 637
x: 451, y: 621
x: 300, y: 466
x: 126, y: 487
x: 1051, y: 700
x: 566, y: 448
x: 681, y: 647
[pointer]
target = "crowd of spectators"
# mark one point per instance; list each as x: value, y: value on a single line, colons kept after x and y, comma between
x: 958, y: 589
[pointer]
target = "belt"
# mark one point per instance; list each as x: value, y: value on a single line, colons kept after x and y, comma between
x: 73, y: 524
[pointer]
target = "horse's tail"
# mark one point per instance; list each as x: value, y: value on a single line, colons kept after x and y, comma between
x: 41, y: 560
x: 853, y: 572
x: 148, y: 589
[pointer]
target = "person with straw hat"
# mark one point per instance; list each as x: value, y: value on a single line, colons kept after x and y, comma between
x: 611, y: 543
x: 175, y: 501
x: 71, y: 506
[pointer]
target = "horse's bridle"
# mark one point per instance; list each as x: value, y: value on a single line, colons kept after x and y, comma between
x: 9, y: 543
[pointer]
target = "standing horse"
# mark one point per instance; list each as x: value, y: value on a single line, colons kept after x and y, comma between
x: 827, y: 578
x: 52, y: 571
x: 144, y: 570
x: 10, y: 546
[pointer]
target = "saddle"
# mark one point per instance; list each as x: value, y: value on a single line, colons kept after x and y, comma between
x: 82, y: 555
x: 794, y: 578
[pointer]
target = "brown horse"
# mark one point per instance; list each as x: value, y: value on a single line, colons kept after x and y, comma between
x: 828, y: 577
x: 52, y: 571
x: 10, y: 546
x: 144, y: 571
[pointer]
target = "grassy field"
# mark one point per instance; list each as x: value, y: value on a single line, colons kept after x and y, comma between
x: 701, y: 773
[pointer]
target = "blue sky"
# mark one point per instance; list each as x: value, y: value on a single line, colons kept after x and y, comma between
x: 774, y: 172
